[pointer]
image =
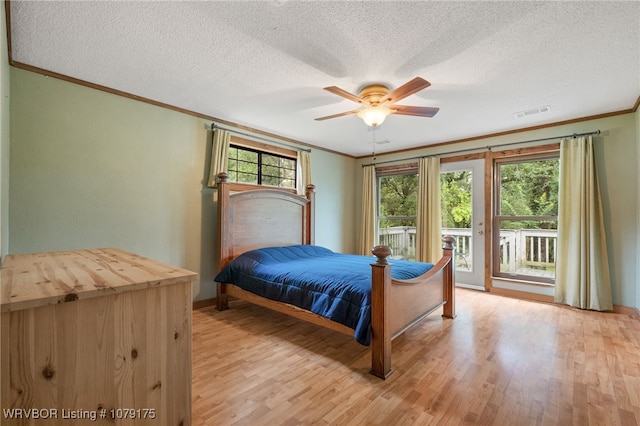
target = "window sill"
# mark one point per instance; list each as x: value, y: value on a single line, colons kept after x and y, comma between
x: 533, y: 290
x: 234, y: 186
x: 523, y: 281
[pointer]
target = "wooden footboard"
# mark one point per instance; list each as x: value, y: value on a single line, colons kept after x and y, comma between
x: 398, y: 304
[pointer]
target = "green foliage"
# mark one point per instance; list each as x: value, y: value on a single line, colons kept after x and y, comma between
x: 399, y: 198
x: 246, y: 166
x: 528, y: 188
x: 243, y: 166
x: 455, y: 193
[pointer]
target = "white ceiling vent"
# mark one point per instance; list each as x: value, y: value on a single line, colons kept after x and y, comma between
x: 529, y: 112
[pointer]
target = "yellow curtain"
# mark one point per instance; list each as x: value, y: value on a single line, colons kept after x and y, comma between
x: 219, y: 155
x: 304, y: 171
x: 429, y: 217
x: 368, y: 228
x: 582, y: 266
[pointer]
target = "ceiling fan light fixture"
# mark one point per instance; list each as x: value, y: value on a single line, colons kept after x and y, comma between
x: 374, y: 115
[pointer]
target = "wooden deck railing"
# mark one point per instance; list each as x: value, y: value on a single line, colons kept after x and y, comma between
x: 529, y: 249
x: 525, y: 249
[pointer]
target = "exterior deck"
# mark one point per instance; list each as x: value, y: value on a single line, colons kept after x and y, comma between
x: 522, y: 252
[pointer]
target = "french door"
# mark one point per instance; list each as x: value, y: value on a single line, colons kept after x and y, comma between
x: 463, y: 218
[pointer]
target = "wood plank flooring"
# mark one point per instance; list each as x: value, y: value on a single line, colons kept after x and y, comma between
x: 502, y: 361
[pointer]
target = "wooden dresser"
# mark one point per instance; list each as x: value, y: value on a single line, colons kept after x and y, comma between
x: 95, y: 333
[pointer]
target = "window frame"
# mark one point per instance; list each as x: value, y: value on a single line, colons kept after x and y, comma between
x: 388, y: 171
x: 263, y: 148
x: 519, y: 156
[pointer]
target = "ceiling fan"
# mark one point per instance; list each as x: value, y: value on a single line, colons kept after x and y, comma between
x: 379, y: 102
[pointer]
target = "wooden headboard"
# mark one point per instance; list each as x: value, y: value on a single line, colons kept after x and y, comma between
x: 262, y: 218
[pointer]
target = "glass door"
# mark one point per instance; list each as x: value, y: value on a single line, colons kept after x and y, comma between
x: 462, y: 190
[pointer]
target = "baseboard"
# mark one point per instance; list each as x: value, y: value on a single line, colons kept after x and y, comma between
x: 204, y: 303
x: 632, y: 312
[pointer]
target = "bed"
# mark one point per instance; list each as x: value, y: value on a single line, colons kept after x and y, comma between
x: 272, y: 226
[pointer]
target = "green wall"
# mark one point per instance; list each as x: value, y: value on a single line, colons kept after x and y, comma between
x: 91, y: 169
x: 617, y: 163
x: 4, y: 137
x: 637, y: 232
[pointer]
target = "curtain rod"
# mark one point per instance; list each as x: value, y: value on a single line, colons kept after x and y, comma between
x: 214, y: 126
x: 488, y: 147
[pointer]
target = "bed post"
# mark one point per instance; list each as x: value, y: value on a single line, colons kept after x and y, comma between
x: 309, y: 236
x: 224, y: 257
x: 380, y: 327
x: 449, y: 281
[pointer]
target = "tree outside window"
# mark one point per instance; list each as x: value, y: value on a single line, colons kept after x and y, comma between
x: 255, y: 167
x: 397, y: 207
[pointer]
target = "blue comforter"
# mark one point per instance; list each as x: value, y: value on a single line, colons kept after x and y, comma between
x: 334, y: 285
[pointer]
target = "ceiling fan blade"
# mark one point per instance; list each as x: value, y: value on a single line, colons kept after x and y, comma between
x: 407, y: 89
x: 340, y: 92
x: 415, y: 110
x: 355, y: 111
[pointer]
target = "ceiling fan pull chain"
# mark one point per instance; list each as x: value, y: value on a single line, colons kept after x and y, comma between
x: 374, y: 143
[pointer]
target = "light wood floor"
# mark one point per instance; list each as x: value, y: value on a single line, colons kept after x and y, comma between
x: 502, y: 361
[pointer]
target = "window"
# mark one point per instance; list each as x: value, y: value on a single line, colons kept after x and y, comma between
x: 397, y: 209
x: 398, y: 206
x: 456, y: 193
x: 253, y: 166
x: 526, y: 218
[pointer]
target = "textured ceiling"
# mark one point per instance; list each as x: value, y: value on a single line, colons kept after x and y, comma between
x: 263, y: 64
